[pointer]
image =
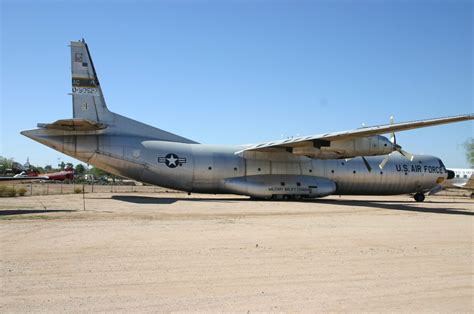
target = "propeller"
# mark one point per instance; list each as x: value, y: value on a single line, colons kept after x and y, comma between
x: 367, y: 165
x: 369, y: 168
x: 398, y: 148
x: 393, y: 137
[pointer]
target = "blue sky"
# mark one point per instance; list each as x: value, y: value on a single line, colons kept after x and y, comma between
x: 235, y: 72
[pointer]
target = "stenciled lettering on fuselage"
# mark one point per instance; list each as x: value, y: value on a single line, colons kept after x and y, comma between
x: 419, y: 169
x: 172, y: 160
x: 85, y: 86
x: 288, y: 189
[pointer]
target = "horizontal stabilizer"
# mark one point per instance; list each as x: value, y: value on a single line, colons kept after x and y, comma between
x: 74, y: 125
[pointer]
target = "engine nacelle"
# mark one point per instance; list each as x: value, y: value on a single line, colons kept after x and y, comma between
x: 336, y: 149
x: 267, y: 186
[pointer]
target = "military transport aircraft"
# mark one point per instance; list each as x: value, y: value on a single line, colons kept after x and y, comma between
x: 359, y: 161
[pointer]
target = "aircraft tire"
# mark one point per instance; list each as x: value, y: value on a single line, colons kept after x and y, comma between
x: 419, y: 197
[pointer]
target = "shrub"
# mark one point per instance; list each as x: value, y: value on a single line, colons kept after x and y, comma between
x: 77, y: 190
x: 21, y: 191
x: 7, y: 191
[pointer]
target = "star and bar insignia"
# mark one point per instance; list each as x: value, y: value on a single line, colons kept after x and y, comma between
x: 172, y: 160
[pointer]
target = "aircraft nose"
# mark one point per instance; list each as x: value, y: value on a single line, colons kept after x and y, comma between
x: 451, y: 174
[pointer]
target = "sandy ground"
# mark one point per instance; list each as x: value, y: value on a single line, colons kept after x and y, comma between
x: 174, y: 252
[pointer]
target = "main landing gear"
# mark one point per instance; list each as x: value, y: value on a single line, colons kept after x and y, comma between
x: 281, y: 197
x: 419, y: 197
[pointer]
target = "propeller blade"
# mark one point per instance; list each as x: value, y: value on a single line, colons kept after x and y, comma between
x: 406, y: 154
x: 393, y: 138
x: 369, y: 168
x: 384, y: 161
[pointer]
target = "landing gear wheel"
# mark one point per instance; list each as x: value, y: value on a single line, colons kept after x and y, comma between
x: 277, y: 197
x: 419, y: 197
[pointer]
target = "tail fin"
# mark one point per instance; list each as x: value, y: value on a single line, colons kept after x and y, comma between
x: 89, y: 109
x: 87, y: 98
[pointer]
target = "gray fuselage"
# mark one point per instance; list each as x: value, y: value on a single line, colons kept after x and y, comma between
x: 205, y: 168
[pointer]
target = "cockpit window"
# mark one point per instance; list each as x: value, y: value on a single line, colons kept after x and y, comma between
x: 441, y: 164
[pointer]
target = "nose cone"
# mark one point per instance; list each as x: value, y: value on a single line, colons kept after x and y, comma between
x: 451, y: 174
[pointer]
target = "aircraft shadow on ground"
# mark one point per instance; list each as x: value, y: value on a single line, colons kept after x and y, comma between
x: 11, y: 212
x: 170, y: 200
x: 397, y: 206
x: 391, y: 205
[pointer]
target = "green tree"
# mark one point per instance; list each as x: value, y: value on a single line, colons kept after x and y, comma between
x: 469, y: 147
x: 98, y: 172
x: 48, y: 168
x: 5, y: 163
x: 79, y: 169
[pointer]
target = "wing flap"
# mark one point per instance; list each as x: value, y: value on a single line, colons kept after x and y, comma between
x: 73, y: 125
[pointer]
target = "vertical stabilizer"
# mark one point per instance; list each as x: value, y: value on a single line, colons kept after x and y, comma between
x: 88, y: 103
x: 87, y: 98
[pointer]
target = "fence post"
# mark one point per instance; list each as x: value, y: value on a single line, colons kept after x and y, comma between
x: 84, y: 196
x: 31, y: 189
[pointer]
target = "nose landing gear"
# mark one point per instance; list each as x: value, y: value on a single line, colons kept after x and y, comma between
x: 419, y: 197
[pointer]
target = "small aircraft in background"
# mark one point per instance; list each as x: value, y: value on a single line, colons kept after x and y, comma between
x: 463, y: 179
x: 22, y: 178
x: 25, y: 173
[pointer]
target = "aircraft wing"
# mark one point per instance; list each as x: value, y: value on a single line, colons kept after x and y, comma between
x: 352, y: 134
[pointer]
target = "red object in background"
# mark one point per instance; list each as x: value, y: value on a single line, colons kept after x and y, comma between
x: 66, y: 174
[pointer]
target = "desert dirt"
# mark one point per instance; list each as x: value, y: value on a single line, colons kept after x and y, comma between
x: 174, y: 252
